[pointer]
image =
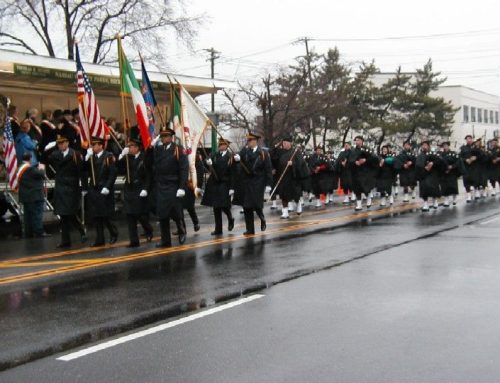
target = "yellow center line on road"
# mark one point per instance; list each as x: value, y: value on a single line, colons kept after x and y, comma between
x: 163, y: 252
x: 123, y: 243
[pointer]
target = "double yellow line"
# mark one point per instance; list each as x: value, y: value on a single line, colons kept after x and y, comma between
x: 95, y: 263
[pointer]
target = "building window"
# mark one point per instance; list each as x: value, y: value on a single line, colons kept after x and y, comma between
x: 472, y: 114
x: 491, y: 117
x: 485, y: 116
x: 479, y: 115
x: 466, y: 113
x: 496, y: 117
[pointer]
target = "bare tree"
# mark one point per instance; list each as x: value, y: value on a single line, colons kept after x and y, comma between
x: 144, y: 24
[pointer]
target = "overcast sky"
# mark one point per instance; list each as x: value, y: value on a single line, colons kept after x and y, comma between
x: 463, y: 39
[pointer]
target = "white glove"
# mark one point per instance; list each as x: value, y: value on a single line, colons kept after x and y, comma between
x: 89, y: 154
x: 143, y: 193
x: 49, y: 146
x: 84, y: 193
x: 105, y: 191
x: 231, y: 192
x: 123, y: 153
x: 180, y: 193
x: 155, y: 140
x: 209, y: 162
x: 268, y: 189
x: 198, y: 191
x: 237, y: 158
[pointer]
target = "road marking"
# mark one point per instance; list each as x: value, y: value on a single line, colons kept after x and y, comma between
x: 297, y: 225
x: 154, y: 330
x: 123, y: 243
x: 490, y: 221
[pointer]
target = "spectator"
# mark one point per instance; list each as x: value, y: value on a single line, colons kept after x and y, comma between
x: 31, y: 196
x: 25, y: 144
x: 14, y: 119
x: 49, y: 132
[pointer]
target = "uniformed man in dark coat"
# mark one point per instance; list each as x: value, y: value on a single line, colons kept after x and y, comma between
x: 405, y: 165
x: 386, y: 176
x: 70, y: 180
x: 31, y: 196
x: 256, y: 178
x: 343, y: 171
x: 429, y: 166
x: 170, y: 169
x: 220, y: 188
x: 101, y: 170
x: 136, y: 190
x: 362, y: 162
x: 452, y: 170
x: 289, y: 169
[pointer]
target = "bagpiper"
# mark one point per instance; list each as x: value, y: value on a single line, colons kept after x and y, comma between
x: 452, y: 170
x: 136, y: 190
x: 405, y: 165
x: 289, y: 173
x: 70, y: 180
x: 428, y: 166
x: 362, y: 162
x: 170, y: 169
x: 101, y: 171
x: 220, y: 186
x: 256, y: 178
x: 319, y: 174
x: 343, y: 170
x: 472, y: 157
x: 494, y: 165
x: 386, y: 176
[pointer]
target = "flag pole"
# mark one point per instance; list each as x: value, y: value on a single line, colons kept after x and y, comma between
x: 122, y: 97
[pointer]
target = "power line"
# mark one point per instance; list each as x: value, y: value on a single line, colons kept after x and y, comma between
x: 414, y: 37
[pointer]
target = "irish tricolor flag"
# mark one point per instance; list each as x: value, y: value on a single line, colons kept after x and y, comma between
x: 130, y: 87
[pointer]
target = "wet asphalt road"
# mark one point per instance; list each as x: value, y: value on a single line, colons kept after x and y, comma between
x: 423, y: 311
x: 41, y: 316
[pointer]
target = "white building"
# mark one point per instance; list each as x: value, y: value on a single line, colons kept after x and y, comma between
x: 478, y: 113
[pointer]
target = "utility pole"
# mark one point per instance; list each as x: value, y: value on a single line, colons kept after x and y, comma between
x: 305, y: 40
x: 214, y: 55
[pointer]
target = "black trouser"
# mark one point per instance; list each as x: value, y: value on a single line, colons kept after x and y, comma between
x: 132, y: 220
x: 33, y: 218
x: 177, y: 217
x: 249, y: 218
x: 68, y: 221
x: 100, y: 222
x: 192, y: 213
x: 218, y: 217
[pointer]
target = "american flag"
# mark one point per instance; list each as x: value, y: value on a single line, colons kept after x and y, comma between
x: 90, y: 117
x: 9, y: 151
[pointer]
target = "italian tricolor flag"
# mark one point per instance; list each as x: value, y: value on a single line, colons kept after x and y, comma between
x: 130, y: 87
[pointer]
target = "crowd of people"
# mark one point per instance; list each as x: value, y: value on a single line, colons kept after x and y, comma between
x: 157, y: 179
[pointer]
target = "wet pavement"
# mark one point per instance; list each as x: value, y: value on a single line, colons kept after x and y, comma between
x: 52, y: 301
x: 425, y: 310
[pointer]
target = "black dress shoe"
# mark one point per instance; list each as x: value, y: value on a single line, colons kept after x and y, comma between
x: 175, y: 233
x: 163, y: 245
x: 197, y: 227
x: 182, y: 238
x: 63, y: 245
x: 216, y: 233
x: 149, y: 237
x: 230, y: 224
x: 133, y: 244
x: 263, y: 225
x: 113, y: 239
x: 248, y: 233
x: 83, y: 238
x: 97, y: 244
